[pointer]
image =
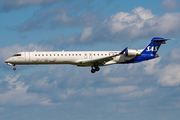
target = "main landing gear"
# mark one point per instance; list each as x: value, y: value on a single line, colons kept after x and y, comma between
x: 94, y: 69
x: 14, y: 67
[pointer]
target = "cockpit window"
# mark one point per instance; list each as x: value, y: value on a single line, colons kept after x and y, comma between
x: 17, y: 55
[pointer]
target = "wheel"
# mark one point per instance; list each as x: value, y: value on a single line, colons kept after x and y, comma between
x: 97, y: 68
x: 93, y: 70
x: 14, y: 69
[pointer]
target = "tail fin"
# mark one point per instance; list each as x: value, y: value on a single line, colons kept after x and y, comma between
x: 154, y: 45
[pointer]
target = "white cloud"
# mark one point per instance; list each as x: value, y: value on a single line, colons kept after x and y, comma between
x: 116, y: 90
x: 64, y: 19
x: 151, y: 67
x: 43, y: 85
x: 59, y: 17
x: 116, y: 80
x: 8, y: 5
x: 169, y: 75
x: 140, y: 93
x: 175, y: 54
x: 106, y: 70
x: 122, y: 20
x: 86, y: 33
x: 170, y: 4
x: 139, y: 23
x: 17, y: 94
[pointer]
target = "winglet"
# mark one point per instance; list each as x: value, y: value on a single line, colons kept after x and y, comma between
x: 122, y: 52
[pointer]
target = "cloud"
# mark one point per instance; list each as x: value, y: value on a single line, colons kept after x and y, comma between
x: 169, y: 75
x: 139, y: 23
x: 152, y: 67
x: 66, y: 20
x: 116, y: 90
x: 170, y: 4
x: 8, y: 5
x: 140, y: 93
x: 86, y: 33
x: 17, y: 94
x: 116, y: 80
x: 59, y: 17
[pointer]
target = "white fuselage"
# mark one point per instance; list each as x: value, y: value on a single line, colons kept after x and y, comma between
x: 62, y: 57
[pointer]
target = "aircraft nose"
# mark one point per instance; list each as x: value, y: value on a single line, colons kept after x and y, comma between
x: 7, y: 61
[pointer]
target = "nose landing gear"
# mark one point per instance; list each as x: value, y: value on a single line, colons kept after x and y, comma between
x: 14, y: 67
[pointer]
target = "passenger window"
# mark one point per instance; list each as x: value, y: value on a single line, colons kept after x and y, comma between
x: 79, y: 54
x: 65, y: 55
x: 35, y: 54
x: 98, y: 54
x: 49, y: 54
x: 76, y: 54
x: 42, y: 54
x: 101, y: 54
x: 39, y: 54
x: 72, y: 54
x: 57, y: 54
x: 105, y: 54
x: 61, y: 54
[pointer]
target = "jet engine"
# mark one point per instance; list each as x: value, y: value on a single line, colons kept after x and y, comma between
x: 131, y: 52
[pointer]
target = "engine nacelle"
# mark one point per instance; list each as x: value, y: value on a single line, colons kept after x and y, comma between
x: 132, y: 53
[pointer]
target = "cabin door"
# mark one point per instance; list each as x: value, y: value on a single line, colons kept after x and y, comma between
x: 27, y: 56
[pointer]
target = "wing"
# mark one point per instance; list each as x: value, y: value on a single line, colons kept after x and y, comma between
x: 100, y: 61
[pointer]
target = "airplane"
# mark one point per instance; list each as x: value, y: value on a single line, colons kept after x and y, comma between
x: 93, y: 59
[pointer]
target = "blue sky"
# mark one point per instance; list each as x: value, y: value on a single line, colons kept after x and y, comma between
x: 147, y: 90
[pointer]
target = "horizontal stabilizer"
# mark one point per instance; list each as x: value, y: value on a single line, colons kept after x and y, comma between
x: 156, y: 39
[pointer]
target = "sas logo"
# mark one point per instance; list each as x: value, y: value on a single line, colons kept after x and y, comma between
x: 152, y: 48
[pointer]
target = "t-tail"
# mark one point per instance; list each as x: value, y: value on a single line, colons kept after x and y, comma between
x: 154, y: 45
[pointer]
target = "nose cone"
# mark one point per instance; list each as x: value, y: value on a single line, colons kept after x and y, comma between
x: 6, y: 61
x: 9, y: 60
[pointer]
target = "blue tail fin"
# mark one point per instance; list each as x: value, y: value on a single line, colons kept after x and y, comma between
x: 154, y: 45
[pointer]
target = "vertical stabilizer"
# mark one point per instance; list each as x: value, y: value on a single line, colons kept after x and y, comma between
x: 154, y: 45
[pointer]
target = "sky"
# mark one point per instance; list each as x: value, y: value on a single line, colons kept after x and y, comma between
x: 142, y: 91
